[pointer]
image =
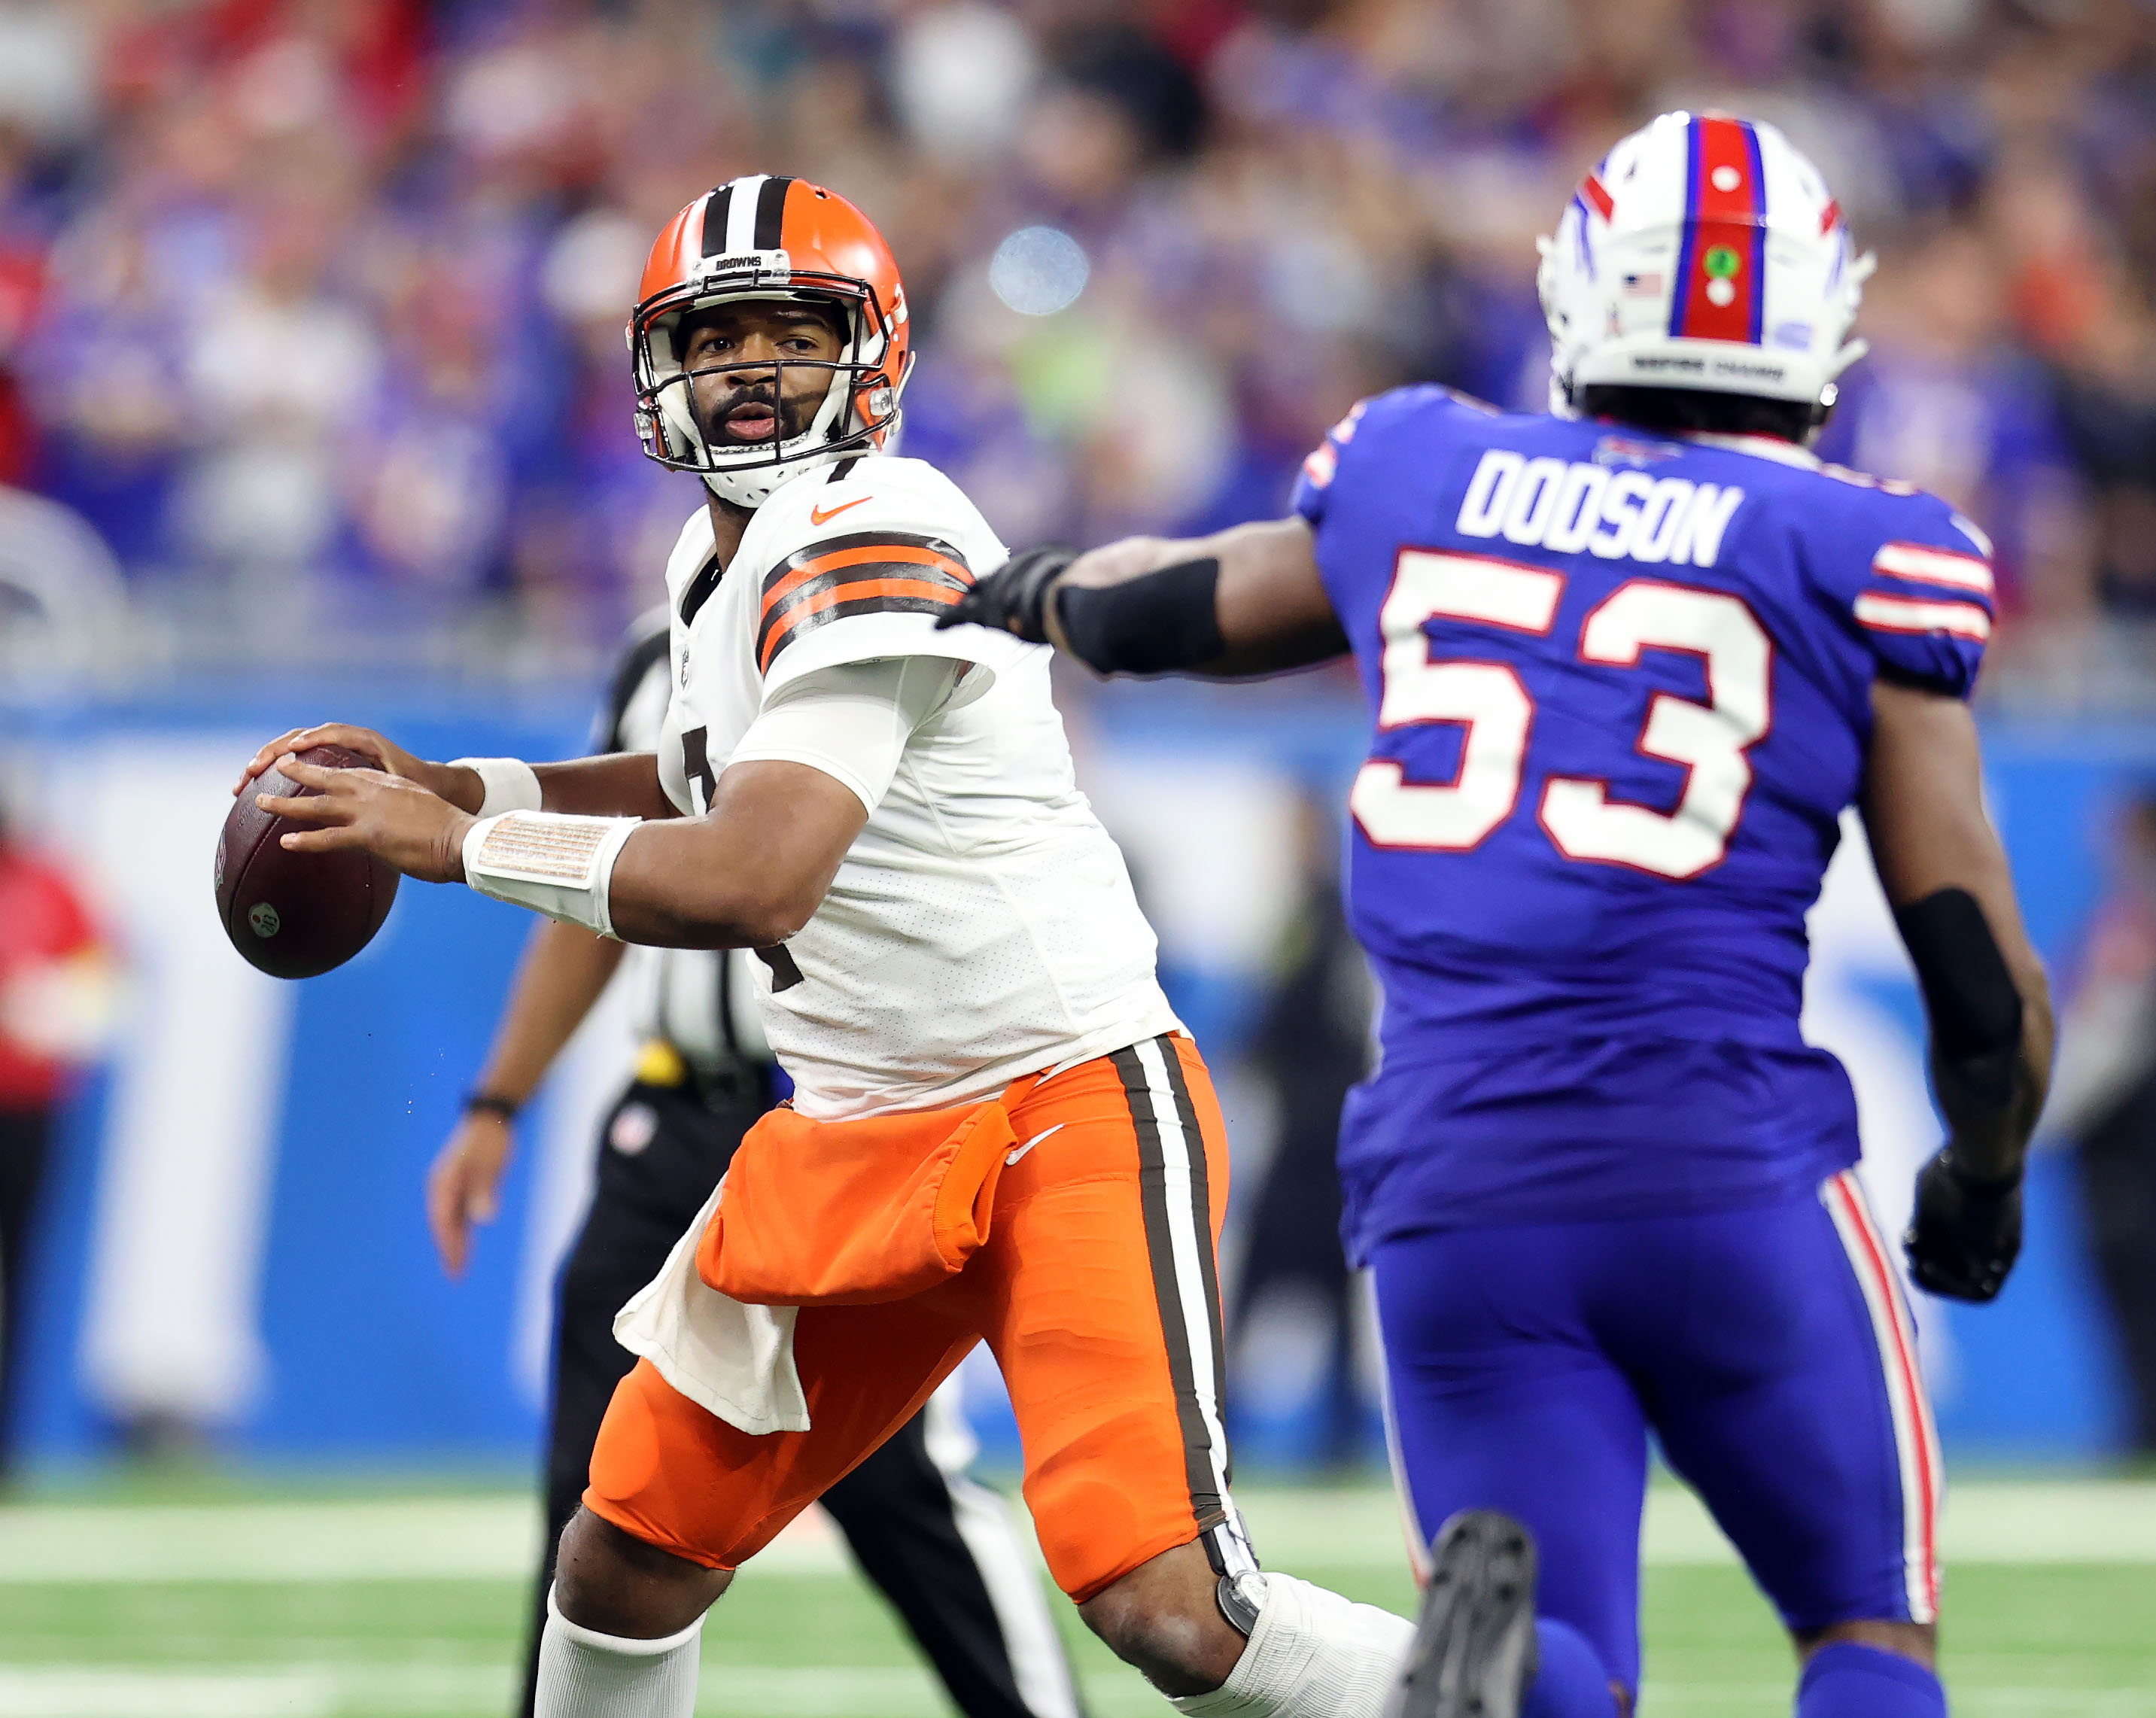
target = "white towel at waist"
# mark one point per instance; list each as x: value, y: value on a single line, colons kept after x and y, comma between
x: 731, y: 1359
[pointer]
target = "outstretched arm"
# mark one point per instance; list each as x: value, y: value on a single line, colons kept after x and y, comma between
x: 1247, y: 601
x: 1985, y: 993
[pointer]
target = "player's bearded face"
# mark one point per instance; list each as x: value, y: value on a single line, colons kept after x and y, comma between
x: 758, y: 370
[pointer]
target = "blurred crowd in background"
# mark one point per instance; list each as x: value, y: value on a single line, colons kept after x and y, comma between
x: 311, y: 360
x: 312, y: 309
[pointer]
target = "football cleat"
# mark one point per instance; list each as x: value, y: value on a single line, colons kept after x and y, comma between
x: 1702, y: 252
x: 1474, y: 1651
x: 768, y: 236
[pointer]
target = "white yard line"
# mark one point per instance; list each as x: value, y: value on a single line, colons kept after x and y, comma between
x: 1988, y: 1521
x: 301, y: 1691
x: 443, y: 1539
x: 447, y: 1539
x: 495, y: 1538
x: 336, y: 1691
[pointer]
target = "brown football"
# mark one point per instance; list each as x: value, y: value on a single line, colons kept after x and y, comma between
x: 295, y: 914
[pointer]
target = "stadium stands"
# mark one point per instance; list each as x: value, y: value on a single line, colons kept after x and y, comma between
x: 325, y: 301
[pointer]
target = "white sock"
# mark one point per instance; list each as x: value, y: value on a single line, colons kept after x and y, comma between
x: 583, y: 1673
x: 1312, y: 1655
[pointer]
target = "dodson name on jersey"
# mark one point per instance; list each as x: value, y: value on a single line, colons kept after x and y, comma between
x: 1621, y: 691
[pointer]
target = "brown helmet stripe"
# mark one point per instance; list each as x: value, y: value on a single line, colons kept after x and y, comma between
x: 716, y: 207
x: 770, y: 212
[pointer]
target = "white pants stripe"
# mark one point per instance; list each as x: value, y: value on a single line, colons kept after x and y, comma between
x: 1915, y: 1439
x: 1190, y: 1294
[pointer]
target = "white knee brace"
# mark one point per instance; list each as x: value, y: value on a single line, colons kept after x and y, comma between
x: 583, y: 1673
x: 1312, y: 1655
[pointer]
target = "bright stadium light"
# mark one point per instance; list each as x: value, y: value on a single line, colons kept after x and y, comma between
x: 1039, y: 270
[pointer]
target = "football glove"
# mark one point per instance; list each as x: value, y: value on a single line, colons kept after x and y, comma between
x: 1013, y: 598
x: 1964, y: 1234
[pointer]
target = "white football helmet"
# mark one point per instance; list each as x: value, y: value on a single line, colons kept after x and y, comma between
x: 1704, y: 251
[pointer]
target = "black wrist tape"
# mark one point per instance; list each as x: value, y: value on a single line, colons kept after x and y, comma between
x: 1152, y: 624
x: 1979, y: 1187
x: 1974, y: 1009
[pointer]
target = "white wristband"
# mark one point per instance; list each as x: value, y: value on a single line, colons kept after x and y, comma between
x: 511, y: 784
x: 556, y: 864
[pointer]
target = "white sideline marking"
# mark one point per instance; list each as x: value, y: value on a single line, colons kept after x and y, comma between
x: 287, y: 1691
x: 1985, y: 1521
x: 496, y: 1538
x: 327, y: 1690
x: 447, y: 1539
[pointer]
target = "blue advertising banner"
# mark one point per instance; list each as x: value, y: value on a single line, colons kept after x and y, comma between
x: 235, y: 1242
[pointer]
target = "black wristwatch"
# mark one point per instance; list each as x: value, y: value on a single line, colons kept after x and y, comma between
x: 484, y: 1103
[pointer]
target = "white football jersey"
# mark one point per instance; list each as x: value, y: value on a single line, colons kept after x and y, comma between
x: 982, y: 925
x: 700, y: 1001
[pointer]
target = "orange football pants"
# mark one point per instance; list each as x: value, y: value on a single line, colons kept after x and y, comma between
x: 1097, y: 1291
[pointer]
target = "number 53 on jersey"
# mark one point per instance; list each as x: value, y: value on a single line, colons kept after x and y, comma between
x: 1486, y: 697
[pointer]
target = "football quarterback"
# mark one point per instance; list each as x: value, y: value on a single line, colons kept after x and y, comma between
x: 999, y: 1131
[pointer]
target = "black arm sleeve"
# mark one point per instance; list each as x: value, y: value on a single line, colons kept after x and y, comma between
x: 1156, y: 623
x: 1974, y: 1007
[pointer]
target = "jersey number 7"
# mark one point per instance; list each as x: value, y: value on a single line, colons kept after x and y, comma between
x: 1710, y: 740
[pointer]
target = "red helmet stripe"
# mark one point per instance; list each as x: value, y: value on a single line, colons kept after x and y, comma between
x: 1596, y: 192
x: 1722, y: 256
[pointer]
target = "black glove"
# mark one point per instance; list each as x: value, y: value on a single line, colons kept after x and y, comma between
x: 1013, y: 598
x: 1964, y: 1234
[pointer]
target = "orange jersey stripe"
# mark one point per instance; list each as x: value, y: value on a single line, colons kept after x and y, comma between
x: 870, y: 555
x: 863, y: 590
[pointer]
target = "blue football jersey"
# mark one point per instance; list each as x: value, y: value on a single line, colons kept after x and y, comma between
x: 1620, y: 687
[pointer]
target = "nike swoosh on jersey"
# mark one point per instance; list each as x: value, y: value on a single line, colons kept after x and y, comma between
x: 1011, y: 1157
x: 819, y: 516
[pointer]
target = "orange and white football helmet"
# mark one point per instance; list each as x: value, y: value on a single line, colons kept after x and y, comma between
x: 764, y: 236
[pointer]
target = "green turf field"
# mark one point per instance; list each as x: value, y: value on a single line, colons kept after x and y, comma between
x: 409, y: 1607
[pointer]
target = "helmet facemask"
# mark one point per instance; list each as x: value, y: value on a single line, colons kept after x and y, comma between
x: 856, y: 407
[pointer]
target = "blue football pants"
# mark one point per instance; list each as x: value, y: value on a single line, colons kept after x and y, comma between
x: 1771, y: 1351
